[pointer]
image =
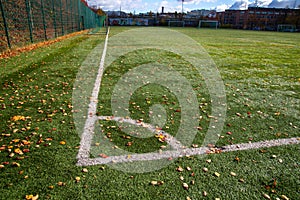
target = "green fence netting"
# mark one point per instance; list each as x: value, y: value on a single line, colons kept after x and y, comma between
x: 29, y: 21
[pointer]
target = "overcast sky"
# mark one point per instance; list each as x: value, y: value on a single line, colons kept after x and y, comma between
x: 156, y: 5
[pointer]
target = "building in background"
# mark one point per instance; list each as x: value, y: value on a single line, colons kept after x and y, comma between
x: 248, y: 18
x: 258, y: 18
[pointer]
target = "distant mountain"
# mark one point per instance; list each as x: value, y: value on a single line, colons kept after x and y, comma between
x: 244, y: 4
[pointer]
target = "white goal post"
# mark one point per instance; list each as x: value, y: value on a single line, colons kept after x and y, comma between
x: 176, y: 23
x: 208, y: 24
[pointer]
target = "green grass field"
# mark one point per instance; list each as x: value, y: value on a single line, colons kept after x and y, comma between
x: 39, y: 142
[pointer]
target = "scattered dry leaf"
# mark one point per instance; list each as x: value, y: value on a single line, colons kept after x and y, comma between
x: 26, y: 150
x: 51, y: 187
x: 217, y: 174
x: 161, y: 137
x: 241, y: 180
x: 61, y: 183
x: 16, y: 140
x: 18, y: 118
x: 18, y: 151
x: 102, y: 155
x: 129, y: 144
x: 284, y: 197
x: 16, y: 164
x: 232, y: 174
x: 179, y: 169
x: 31, y: 197
x: 85, y: 170
x: 77, y: 179
x: 185, y: 186
x: 266, y: 196
x: 154, y: 183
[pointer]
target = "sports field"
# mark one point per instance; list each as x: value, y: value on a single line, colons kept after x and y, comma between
x: 203, y: 92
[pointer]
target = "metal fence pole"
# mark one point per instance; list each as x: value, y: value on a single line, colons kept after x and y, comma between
x: 67, y: 16
x: 61, y: 19
x: 79, y: 15
x: 44, y: 21
x: 29, y: 19
x: 54, y: 18
x: 5, y: 24
x: 72, y: 18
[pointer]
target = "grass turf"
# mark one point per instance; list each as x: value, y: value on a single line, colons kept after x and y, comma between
x: 261, y: 75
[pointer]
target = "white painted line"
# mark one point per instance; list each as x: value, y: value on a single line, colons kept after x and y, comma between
x: 88, y: 132
x: 186, y: 152
x: 172, y: 141
x: 263, y: 144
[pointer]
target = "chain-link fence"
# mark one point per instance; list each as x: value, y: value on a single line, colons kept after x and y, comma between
x: 29, y: 21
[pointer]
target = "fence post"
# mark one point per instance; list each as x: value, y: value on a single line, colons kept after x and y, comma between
x: 44, y: 21
x: 54, y: 18
x: 61, y: 19
x: 71, y: 14
x: 79, y: 15
x: 5, y: 24
x: 67, y: 16
x: 29, y: 19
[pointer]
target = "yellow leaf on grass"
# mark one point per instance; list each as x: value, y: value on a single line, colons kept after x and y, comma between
x: 85, y: 170
x: 16, y: 164
x: 62, y: 142
x: 18, y: 151
x: 25, y: 142
x: 31, y: 197
x: 217, y: 174
x: 77, y: 179
x: 18, y: 117
x: 61, y: 183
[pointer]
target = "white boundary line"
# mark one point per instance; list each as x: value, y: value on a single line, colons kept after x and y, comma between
x: 88, y: 132
x: 186, y: 152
